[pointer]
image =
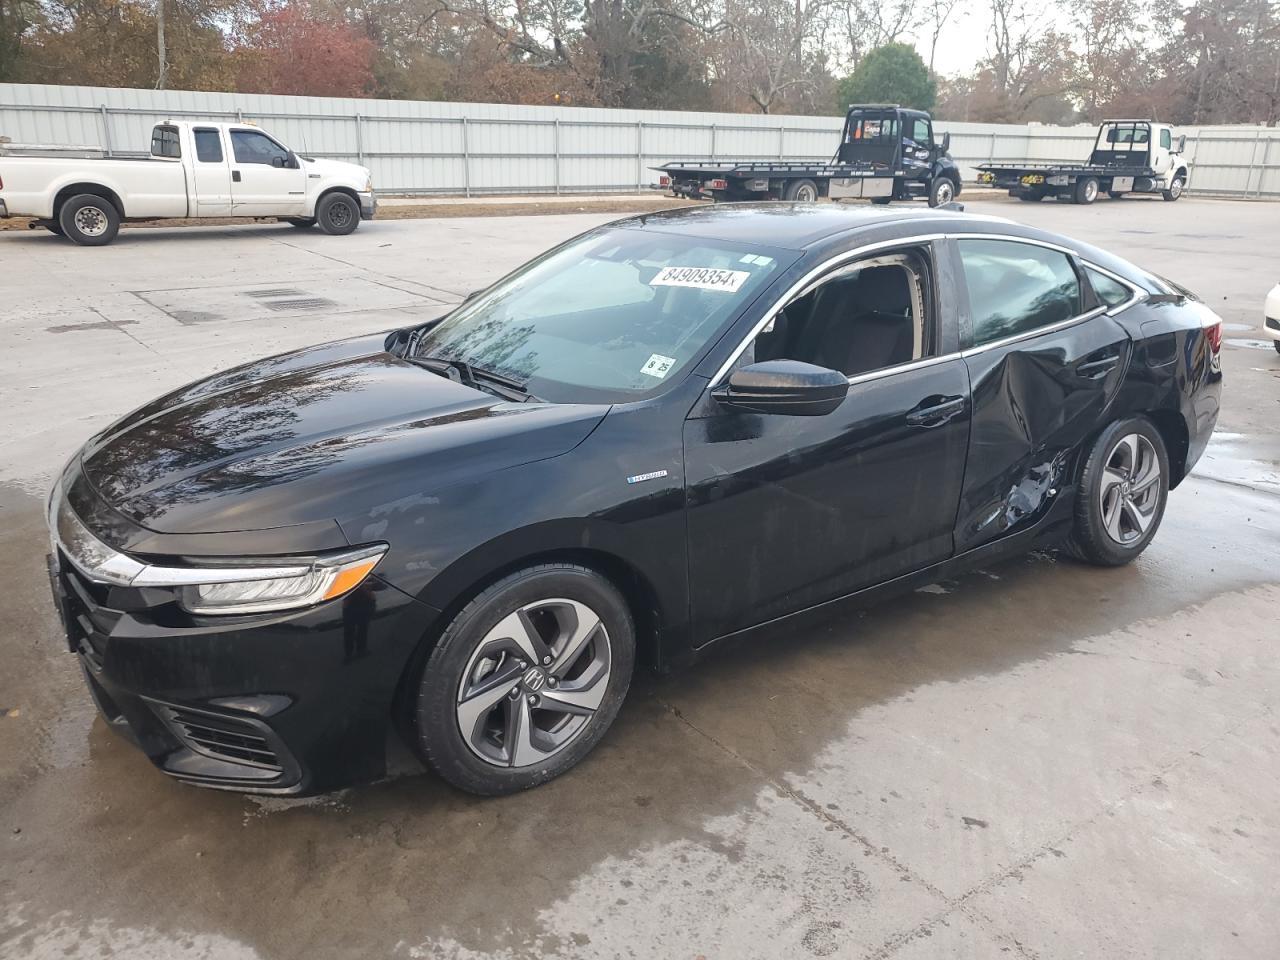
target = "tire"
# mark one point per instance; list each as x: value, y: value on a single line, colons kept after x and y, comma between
x: 882, y: 201
x: 337, y: 214
x: 553, y: 601
x: 54, y: 228
x: 1086, y: 190
x: 1119, y: 502
x: 1031, y: 197
x: 89, y: 220
x: 941, y: 190
x: 801, y: 191
x: 1175, y: 189
x: 302, y: 223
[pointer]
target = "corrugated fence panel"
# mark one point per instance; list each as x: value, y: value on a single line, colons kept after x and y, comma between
x: 426, y: 147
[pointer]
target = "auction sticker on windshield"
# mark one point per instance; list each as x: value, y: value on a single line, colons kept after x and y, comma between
x: 703, y: 278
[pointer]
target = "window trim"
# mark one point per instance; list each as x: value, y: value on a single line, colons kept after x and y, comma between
x: 839, y: 259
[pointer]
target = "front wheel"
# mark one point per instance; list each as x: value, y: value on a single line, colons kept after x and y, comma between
x: 1121, y: 497
x: 1175, y: 189
x: 801, y: 191
x: 337, y: 214
x: 525, y: 680
x: 89, y: 220
x: 941, y: 191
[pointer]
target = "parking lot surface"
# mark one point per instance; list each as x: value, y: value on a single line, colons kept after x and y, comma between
x: 1038, y: 760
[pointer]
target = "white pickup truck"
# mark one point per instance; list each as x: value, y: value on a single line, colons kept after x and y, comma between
x: 197, y: 169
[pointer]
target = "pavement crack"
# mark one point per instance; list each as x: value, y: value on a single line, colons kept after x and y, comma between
x: 365, y: 270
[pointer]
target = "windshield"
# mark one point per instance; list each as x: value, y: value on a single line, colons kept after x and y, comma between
x: 609, y: 317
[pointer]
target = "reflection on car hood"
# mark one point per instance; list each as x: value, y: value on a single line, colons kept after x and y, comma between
x: 314, y: 435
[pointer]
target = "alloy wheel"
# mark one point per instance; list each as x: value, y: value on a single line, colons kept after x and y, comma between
x: 1129, y: 494
x: 534, y: 682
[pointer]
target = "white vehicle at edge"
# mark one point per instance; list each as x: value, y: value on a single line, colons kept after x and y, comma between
x: 196, y: 169
x: 1271, y: 317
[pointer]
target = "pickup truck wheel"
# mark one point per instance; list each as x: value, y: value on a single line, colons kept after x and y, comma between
x: 802, y: 191
x: 337, y: 214
x: 302, y: 223
x: 89, y: 220
x: 1086, y: 190
x: 54, y: 228
x: 941, y: 191
x: 1175, y: 189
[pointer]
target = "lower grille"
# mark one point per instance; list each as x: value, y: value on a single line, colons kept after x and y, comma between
x: 224, y: 737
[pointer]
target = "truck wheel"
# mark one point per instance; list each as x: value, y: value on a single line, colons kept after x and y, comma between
x: 1175, y: 189
x: 942, y: 190
x: 801, y: 191
x: 89, y: 220
x: 337, y: 214
x: 1086, y: 190
x: 53, y: 227
x: 302, y: 223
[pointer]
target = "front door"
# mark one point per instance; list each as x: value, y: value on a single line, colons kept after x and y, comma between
x: 266, y: 178
x: 785, y: 512
x: 212, y: 174
x: 1044, y: 362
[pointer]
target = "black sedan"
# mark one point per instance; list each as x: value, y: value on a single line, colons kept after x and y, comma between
x: 668, y: 431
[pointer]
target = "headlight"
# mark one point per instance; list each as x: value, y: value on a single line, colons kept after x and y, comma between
x: 252, y: 589
x: 368, y: 184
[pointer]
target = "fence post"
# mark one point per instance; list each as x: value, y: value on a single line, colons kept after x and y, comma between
x: 106, y: 127
x: 555, y: 148
x: 639, y: 155
x: 359, y: 140
x: 1266, y: 158
x: 1253, y: 162
x: 782, y: 140
x: 991, y: 152
x: 713, y: 143
x: 466, y: 161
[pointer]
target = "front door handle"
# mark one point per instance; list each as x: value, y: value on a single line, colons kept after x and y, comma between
x: 1097, y: 369
x: 935, y: 411
x: 235, y: 176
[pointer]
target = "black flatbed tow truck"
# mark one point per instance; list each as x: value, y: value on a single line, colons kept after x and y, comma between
x: 1129, y: 156
x: 886, y: 153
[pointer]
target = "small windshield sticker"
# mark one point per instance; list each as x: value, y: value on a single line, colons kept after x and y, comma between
x: 757, y: 259
x: 703, y: 278
x: 658, y: 366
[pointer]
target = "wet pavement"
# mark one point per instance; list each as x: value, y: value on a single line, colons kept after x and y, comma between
x: 1037, y: 760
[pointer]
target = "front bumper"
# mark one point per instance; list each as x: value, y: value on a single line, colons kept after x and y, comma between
x: 290, y: 703
x: 368, y: 206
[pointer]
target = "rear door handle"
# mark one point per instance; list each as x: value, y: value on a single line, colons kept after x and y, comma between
x: 235, y: 176
x: 1097, y: 369
x: 935, y: 411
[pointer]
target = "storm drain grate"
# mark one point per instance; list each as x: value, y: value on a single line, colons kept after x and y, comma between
x: 305, y: 303
x: 274, y: 292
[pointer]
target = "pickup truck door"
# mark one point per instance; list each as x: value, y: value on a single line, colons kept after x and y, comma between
x: 266, y: 178
x: 211, y: 176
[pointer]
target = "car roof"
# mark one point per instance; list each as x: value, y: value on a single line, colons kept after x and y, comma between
x: 796, y: 226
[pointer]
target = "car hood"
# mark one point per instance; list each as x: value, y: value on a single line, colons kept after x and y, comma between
x: 314, y: 436
x: 339, y: 170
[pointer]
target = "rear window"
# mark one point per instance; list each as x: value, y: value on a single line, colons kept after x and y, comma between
x: 164, y: 142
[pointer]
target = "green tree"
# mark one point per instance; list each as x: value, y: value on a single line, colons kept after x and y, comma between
x: 893, y: 73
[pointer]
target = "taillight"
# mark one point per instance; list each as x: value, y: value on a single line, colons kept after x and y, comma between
x: 718, y: 184
x: 1213, y: 333
x: 664, y: 181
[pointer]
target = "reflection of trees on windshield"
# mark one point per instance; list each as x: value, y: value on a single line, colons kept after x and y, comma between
x: 491, y: 343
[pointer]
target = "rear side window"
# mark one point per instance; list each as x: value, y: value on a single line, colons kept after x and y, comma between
x: 164, y: 142
x: 1111, y: 292
x: 208, y: 145
x: 1015, y: 288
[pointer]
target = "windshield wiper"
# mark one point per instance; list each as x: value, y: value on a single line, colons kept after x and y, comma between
x: 467, y: 373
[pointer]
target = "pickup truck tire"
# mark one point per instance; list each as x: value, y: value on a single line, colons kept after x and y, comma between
x: 54, y: 228
x: 89, y: 220
x: 1175, y: 189
x: 302, y: 223
x: 337, y: 214
x: 942, y: 190
x: 799, y: 191
x: 1086, y: 190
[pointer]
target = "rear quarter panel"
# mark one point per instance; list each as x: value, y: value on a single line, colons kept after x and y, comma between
x: 146, y: 188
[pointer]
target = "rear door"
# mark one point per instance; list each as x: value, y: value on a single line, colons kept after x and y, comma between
x: 212, y: 173
x: 1045, y: 361
x: 266, y: 178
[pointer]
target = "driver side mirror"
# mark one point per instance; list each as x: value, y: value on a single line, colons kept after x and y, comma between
x: 788, y: 387
x: 946, y: 143
x: 277, y: 161
x: 1182, y: 144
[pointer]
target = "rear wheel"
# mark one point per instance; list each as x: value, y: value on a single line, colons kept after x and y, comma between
x: 1175, y: 189
x: 941, y: 191
x: 337, y: 214
x: 1086, y: 190
x: 801, y: 191
x: 54, y: 228
x: 89, y: 220
x: 302, y: 223
x: 1121, y: 497
x: 525, y: 680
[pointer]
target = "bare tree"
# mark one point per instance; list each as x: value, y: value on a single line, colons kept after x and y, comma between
x: 938, y: 12
x: 161, y: 54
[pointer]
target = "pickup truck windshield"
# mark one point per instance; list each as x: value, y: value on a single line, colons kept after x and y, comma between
x: 609, y: 317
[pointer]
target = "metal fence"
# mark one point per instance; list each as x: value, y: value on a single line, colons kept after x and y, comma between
x: 416, y: 147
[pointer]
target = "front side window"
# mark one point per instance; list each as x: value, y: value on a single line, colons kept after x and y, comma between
x: 609, y: 317
x: 1015, y: 288
x: 1166, y: 139
x: 1109, y: 291
x: 253, y: 146
x: 164, y: 142
x: 920, y: 132
x: 864, y: 317
x: 208, y: 145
